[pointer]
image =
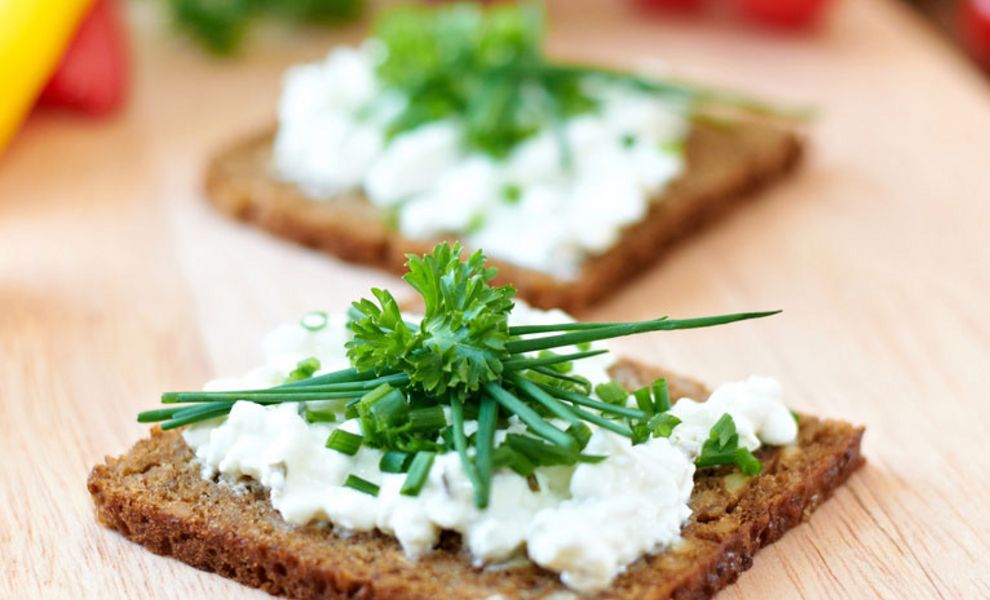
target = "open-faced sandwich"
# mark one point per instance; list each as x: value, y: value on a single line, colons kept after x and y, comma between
x: 449, y: 123
x: 477, y: 449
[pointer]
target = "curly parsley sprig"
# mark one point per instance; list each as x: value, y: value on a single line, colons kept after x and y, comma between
x: 414, y: 386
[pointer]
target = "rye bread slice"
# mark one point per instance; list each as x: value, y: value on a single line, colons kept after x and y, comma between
x: 154, y: 496
x: 724, y: 164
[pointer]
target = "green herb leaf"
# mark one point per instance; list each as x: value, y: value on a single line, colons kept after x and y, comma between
x: 314, y: 321
x: 662, y: 425
x: 362, y: 485
x: 612, y: 393
x: 219, y: 26
x: 476, y: 66
x: 319, y: 416
x: 462, y: 338
x: 644, y: 401
x: 304, y: 369
x: 661, y: 395
x: 419, y: 470
x: 505, y: 456
x: 394, y: 461
x: 722, y: 448
x: 344, y: 442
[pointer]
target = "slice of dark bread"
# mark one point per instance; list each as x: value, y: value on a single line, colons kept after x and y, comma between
x: 154, y: 495
x: 724, y: 163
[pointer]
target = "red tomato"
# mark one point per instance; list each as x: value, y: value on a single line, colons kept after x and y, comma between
x: 92, y: 75
x: 783, y: 13
x: 674, y: 5
x: 975, y: 15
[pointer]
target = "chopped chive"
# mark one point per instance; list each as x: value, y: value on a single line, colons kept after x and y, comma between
x: 314, y: 321
x: 661, y: 395
x: 640, y: 432
x: 747, y: 462
x: 419, y: 470
x: 344, y: 442
x: 386, y: 404
x: 662, y: 425
x: 723, y: 430
x: 484, y: 446
x: 581, y: 434
x: 427, y: 418
x: 612, y: 393
x: 394, y: 461
x: 722, y: 448
x: 320, y: 416
x: 304, y: 369
x: 362, y: 485
x: 643, y: 401
x: 530, y: 417
x: 511, y: 193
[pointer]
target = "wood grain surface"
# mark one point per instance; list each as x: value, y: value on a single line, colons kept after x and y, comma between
x: 117, y: 282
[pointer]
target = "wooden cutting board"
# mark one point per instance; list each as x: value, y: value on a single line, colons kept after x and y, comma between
x: 118, y: 282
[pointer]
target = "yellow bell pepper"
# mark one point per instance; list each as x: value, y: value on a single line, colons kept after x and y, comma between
x: 33, y: 36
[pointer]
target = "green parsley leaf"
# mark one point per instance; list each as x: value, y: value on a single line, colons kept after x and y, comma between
x: 461, y: 341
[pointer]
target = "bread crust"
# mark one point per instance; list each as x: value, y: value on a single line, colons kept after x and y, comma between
x: 154, y: 496
x: 724, y: 164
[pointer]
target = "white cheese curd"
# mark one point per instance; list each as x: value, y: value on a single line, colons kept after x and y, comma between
x: 632, y: 504
x: 587, y: 522
x: 755, y: 406
x: 331, y: 140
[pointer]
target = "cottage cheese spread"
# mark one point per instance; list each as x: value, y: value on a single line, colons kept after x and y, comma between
x: 331, y: 140
x: 587, y: 522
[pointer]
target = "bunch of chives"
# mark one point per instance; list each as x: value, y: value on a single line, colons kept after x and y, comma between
x: 532, y: 388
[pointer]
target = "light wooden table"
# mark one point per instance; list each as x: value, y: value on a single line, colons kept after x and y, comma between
x: 117, y: 282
